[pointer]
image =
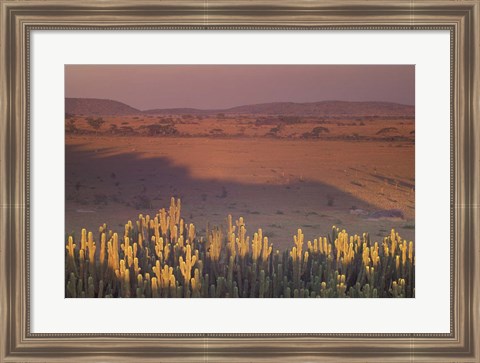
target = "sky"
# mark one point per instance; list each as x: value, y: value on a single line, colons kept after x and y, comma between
x: 223, y: 86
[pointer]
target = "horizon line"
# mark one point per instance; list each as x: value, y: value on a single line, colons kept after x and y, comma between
x: 242, y: 105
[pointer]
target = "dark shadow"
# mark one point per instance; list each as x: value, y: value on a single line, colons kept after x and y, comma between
x: 101, y: 187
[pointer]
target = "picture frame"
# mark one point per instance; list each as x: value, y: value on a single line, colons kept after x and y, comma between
x: 18, y: 343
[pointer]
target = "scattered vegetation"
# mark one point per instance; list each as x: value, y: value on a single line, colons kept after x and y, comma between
x: 275, y: 130
x: 71, y: 127
x: 161, y: 130
x: 126, y: 131
x: 315, y: 133
x: 387, y: 130
x: 163, y: 257
x: 278, y: 120
x: 217, y: 132
x: 95, y: 123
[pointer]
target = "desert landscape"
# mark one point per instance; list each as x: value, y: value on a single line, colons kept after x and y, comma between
x: 309, y: 172
x: 250, y: 182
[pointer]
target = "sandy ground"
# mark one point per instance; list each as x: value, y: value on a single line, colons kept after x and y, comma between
x: 277, y: 183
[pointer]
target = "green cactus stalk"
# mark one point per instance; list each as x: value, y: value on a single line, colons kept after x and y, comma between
x: 262, y: 286
x: 100, y: 289
x: 80, y: 288
x: 230, y: 275
x: 72, y: 286
x: 186, y: 268
x: 253, y: 281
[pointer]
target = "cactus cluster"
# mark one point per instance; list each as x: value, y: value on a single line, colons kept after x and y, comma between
x: 163, y: 257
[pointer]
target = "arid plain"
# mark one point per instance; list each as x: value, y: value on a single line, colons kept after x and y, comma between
x: 280, y: 166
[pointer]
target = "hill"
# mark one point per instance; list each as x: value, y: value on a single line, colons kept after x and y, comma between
x: 323, y: 108
x: 95, y: 107
x: 326, y: 108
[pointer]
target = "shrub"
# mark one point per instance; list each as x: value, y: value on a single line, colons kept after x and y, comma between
x: 95, y: 123
x: 387, y: 130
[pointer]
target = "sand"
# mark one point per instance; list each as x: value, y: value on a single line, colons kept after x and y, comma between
x: 278, y: 183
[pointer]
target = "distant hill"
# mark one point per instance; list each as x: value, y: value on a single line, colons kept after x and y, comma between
x: 92, y: 106
x: 323, y: 108
x: 326, y: 108
x: 95, y: 107
x: 180, y: 111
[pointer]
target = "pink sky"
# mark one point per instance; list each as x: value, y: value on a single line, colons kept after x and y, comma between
x: 222, y: 86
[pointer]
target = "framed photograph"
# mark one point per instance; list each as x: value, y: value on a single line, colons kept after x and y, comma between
x: 291, y: 181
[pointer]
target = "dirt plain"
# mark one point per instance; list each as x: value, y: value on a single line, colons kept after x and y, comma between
x: 279, y: 174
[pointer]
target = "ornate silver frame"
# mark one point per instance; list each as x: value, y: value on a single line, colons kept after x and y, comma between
x: 19, y: 17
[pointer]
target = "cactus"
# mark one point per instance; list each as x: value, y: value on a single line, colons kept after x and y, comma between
x: 196, y: 283
x: 231, y: 238
x: 256, y: 245
x: 230, y: 275
x: 242, y: 240
x: 215, y: 244
x: 266, y: 250
x: 156, y: 257
x: 103, y: 241
x: 71, y: 266
x: 71, y: 286
x: 261, y: 282
x: 186, y: 267
x: 91, y: 288
x: 155, y: 288
x: 100, y: 289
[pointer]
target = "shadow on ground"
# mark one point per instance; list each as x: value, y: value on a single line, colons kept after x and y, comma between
x: 114, y: 188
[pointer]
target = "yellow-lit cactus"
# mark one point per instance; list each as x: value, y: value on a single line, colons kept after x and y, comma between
x: 155, y: 291
x: 410, y: 251
x: 242, y: 240
x: 257, y: 245
x: 129, y: 256
x: 404, y: 252
x: 374, y: 255
x: 196, y: 283
x: 158, y: 241
x: 313, y: 247
x: 294, y: 254
x: 166, y: 276
x: 164, y: 221
x: 166, y: 251
x: 232, y: 242
x: 266, y: 250
x: 182, y: 226
x: 103, y: 241
x: 157, y: 256
x: 83, y: 241
x: 91, y: 246
x: 298, y: 240
x: 157, y: 270
x: 215, y: 244
x: 187, y: 264
x: 71, y: 247
x: 366, y: 255
x: 231, y: 227
x: 136, y: 268
x: 191, y: 233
